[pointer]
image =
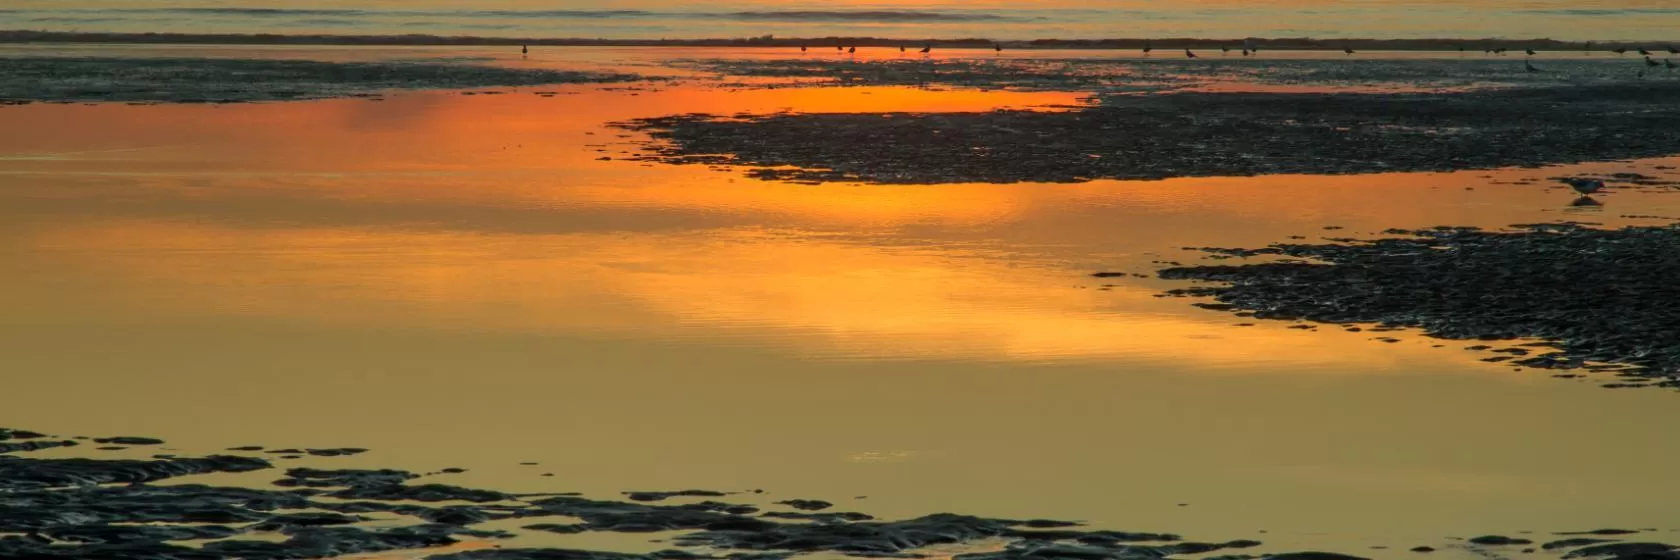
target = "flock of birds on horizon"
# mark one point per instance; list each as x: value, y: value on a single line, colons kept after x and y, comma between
x: 1249, y: 49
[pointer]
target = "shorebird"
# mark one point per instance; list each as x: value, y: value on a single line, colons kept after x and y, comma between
x: 1224, y: 50
x: 1619, y: 50
x: 802, y: 48
x: 851, y: 50
x: 927, y: 49
x: 1530, y: 66
x: 1531, y: 52
x: 998, y: 46
x: 1188, y: 54
x: 1584, y: 185
x: 1672, y: 50
x: 1346, y: 50
x: 901, y: 48
x: 524, y: 50
x: 1500, y: 50
x: 1644, y: 52
x: 1147, y: 47
x: 1245, y: 52
x: 1650, y: 63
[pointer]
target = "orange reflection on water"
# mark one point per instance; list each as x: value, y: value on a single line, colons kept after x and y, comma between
x: 495, y: 213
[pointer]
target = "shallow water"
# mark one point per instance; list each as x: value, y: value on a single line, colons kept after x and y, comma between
x: 458, y: 281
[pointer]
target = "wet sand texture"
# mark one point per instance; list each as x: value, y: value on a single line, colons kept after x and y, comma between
x: 1189, y: 134
x: 111, y: 509
x: 1601, y: 299
x: 207, y: 80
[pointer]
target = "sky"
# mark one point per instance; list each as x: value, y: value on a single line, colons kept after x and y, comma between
x: 1519, y: 19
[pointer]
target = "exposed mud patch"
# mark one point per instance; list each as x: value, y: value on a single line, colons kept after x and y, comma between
x: 216, y: 80
x: 1598, y: 299
x: 1188, y: 134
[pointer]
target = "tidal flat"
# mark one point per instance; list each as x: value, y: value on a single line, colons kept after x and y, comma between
x: 505, y: 301
x: 87, y: 508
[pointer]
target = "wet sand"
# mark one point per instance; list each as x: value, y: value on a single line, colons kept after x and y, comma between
x: 114, y: 508
x: 459, y: 281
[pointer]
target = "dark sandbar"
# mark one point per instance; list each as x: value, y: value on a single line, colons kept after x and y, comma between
x: 216, y: 80
x: 1189, y: 134
x: 1602, y: 299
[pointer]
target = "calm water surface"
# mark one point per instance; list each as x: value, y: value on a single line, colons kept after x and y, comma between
x: 459, y: 281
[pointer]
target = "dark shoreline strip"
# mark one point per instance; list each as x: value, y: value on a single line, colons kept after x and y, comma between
x: 223, y: 80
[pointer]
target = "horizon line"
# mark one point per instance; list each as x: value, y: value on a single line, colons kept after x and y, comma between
x: 15, y: 36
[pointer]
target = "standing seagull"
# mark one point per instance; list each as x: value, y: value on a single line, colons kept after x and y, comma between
x: 802, y: 48
x: 524, y: 50
x: 1188, y: 54
x: 1226, y: 49
x: 1644, y: 52
x: 1346, y: 50
x: 901, y: 48
x: 1531, y: 52
x: 1147, y: 47
x: 927, y: 49
x: 1245, y: 52
x: 851, y: 50
x: 999, y: 47
x: 1619, y: 50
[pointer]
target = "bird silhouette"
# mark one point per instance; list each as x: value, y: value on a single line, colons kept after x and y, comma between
x: 1643, y: 52
x: 901, y: 48
x: 1346, y: 50
x: 1531, y: 52
x: 998, y: 46
x: 1650, y: 63
x: 1245, y: 52
x: 524, y: 50
x: 1584, y: 185
x: 1225, y: 50
x: 1147, y: 47
x: 851, y: 50
x: 1188, y: 54
x: 802, y: 48
x: 1619, y: 50
x: 1530, y: 66
x: 1672, y: 50
x: 927, y: 49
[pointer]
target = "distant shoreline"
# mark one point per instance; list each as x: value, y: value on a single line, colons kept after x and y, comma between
x: 1444, y: 44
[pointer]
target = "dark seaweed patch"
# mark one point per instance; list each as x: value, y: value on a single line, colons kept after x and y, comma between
x: 1605, y: 299
x: 1187, y: 134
